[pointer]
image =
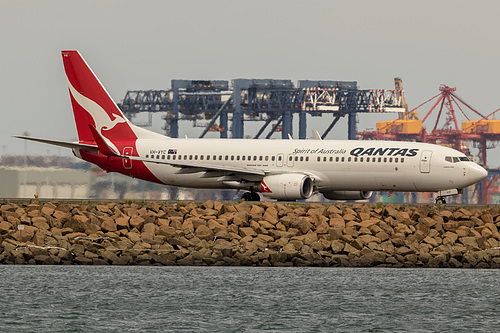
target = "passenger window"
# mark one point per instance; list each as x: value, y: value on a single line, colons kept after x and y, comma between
x: 368, y: 159
x: 319, y: 159
x: 385, y: 159
x: 226, y: 157
x: 208, y: 157
x: 232, y: 157
x: 190, y: 157
x: 396, y: 160
x: 255, y: 158
x: 185, y: 157
x: 243, y: 157
x: 331, y: 158
x: 290, y: 158
x: 272, y: 158
x: 301, y: 158
x: 173, y: 157
x: 337, y: 159
x: 380, y: 159
x: 307, y: 158
x: 147, y: 155
x: 238, y: 157
x: 266, y: 158
x: 296, y: 158
x: 361, y: 159
x: 260, y: 158
x: 343, y: 159
x: 220, y: 157
x: 162, y: 157
x: 390, y: 159
x: 402, y: 160
x: 168, y: 157
x: 196, y: 157
x: 348, y: 159
x: 355, y: 159
x: 324, y: 159
x: 279, y: 158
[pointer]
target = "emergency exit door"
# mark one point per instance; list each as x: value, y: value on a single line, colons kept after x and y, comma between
x: 425, y: 161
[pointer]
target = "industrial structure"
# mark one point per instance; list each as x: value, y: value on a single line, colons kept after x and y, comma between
x: 482, y: 133
x: 218, y: 106
x: 225, y: 108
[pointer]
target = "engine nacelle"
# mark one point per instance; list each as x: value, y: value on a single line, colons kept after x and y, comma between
x: 347, y: 195
x: 287, y: 186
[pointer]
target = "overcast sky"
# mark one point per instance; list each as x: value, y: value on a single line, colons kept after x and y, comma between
x: 144, y: 44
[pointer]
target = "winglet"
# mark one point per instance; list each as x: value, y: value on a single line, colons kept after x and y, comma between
x: 104, y: 148
x: 316, y: 135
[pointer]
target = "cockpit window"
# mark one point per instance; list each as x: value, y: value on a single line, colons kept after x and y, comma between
x: 455, y: 159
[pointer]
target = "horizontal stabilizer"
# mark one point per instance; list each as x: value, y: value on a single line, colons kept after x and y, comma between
x: 101, y: 143
x: 65, y: 144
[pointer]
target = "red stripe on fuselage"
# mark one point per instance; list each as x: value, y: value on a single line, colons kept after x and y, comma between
x: 115, y: 164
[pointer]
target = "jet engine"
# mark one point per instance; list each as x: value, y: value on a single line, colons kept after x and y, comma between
x: 288, y: 186
x: 347, y: 195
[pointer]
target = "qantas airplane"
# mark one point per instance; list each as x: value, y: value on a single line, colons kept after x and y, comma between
x: 278, y: 169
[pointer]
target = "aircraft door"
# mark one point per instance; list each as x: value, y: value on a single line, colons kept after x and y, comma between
x: 289, y: 161
x: 127, y: 163
x: 425, y: 161
x: 279, y: 159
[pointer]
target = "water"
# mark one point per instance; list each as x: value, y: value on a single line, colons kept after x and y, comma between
x: 249, y: 299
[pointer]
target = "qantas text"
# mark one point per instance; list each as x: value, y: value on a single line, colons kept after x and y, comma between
x: 384, y: 152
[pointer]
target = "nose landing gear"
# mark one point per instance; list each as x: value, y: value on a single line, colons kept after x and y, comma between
x: 441, y: 199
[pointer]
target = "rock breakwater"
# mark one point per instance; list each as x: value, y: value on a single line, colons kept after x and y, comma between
x: 256, y: 234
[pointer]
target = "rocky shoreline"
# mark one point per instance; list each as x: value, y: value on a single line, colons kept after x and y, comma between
x: 249, y: 234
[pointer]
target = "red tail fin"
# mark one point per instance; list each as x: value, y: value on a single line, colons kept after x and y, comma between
x: 92, y: 104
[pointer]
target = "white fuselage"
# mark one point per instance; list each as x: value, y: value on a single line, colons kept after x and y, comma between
x: 334, y: 165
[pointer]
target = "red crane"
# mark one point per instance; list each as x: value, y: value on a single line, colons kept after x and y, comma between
x: 482, y: 133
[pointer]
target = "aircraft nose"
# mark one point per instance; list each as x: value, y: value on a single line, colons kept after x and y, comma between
x: 477, y: 173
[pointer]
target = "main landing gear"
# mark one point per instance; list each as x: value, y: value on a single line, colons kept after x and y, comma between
x: 250, y: 196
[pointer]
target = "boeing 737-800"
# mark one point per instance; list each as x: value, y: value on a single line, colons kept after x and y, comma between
x: 278, y: 169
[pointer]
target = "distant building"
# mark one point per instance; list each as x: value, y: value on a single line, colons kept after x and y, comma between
x: 55, y: 177
x: 56, y: 183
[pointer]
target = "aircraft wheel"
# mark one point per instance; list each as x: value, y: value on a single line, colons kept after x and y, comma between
x: 441, y: 200
x: 255, y: 196
x: 247, y: 196
x: 250, y: 196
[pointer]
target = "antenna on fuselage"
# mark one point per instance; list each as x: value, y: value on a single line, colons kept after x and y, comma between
x: 316, y: 135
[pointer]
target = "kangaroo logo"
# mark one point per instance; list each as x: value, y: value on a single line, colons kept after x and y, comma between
x: 102, y: 119
x: 264, y: 188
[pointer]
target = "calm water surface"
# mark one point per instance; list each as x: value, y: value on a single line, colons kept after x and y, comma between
x: 247, y: 299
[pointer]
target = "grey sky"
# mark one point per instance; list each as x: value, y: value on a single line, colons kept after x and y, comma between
x: 145, y: 44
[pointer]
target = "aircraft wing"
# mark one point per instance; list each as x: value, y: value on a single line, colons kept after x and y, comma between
x: 190, y: 167
x: 64, y: 144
